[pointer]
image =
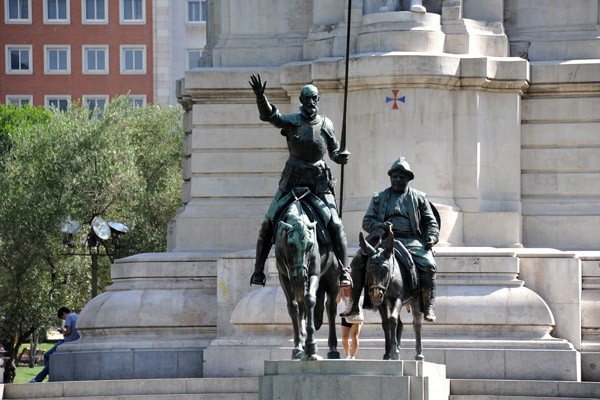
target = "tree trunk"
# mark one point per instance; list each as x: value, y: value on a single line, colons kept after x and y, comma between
x: 33, y: 343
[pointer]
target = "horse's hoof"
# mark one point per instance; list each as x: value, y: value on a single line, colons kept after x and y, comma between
x: 311, y: 348
x: 386, y: 357
x: 333, y: 355
x: 312, y: 357
x: 297, y: 354
x: 419, y: 357
x: 396, y: 356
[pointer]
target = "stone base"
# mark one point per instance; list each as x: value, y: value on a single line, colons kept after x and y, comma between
x: 126, y: 364
x: 590, y: 366
x: 343, y: 379
x: 468, y: 358
x: 154, y: 321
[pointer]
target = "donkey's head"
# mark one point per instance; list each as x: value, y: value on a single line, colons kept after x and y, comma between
x: 379, y: 268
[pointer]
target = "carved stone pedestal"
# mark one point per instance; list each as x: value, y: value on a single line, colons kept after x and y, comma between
x: 356, y: 379
x: 401, y: 31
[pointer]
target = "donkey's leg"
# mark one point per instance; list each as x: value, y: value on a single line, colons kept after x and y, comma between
x: 417, y: 324
x: 310, y: 348
x: 385, y: 324
x: 294, y: 313
x: 332, y: 341
x: 395, y: 324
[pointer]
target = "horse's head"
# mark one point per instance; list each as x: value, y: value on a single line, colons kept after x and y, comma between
x: 379, y: 268
x: 299, y: 236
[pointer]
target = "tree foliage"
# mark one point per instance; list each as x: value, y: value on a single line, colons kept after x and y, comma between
x: 123, y: 166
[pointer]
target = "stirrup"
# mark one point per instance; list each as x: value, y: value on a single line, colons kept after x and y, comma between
x: 352, y: 313
x: 258, y: 278
x: 345, y: 280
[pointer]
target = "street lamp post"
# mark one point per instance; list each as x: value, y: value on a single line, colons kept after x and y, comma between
x: 100, y: 232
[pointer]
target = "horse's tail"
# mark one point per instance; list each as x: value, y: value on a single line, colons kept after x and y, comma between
x: 320, y: 307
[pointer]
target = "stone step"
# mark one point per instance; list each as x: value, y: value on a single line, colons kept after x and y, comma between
x: 190, y: 388
x: 478, y: 389
x: 491, y: 397
x: 204, y: 396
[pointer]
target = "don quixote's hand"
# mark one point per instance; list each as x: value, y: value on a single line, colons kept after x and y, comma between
x: 257, y: 85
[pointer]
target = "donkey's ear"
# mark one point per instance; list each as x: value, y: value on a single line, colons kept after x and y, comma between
x: 366, y: 247
x: 389, y: 246
x: 284, y: 225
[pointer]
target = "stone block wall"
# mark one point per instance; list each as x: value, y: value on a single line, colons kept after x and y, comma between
x: 559, y: 156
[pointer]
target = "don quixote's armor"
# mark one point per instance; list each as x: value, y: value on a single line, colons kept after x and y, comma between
x: 309, y: 137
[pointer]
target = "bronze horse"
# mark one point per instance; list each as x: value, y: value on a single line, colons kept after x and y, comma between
x: 307, y: 270
x: 387, y: 292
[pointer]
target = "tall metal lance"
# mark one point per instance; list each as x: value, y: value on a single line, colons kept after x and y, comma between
x: 343, y: 145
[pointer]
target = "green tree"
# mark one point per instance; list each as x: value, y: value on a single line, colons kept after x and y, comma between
x: 12, y: 116
x: 122, y: 166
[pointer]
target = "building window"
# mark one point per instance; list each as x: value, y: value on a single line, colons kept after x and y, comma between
x: 19, y: 59
x: 94, y: 11
x: 133, y: 11
x: 57, y: 11
x: 137, y: 101
x: 95, y: 103
x: 196, y: 11
x: 17, y: 11
x: 95, y: 60
x: 19, y: 100
x: 57, y: 59
x: 58, y: 102
x: 133, y: 59
x: 193, y: 59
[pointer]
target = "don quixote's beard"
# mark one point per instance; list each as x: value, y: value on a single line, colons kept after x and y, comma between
x: 309, y: 111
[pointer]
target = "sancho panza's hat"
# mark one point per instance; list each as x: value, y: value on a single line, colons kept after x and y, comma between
x: 402, y: 166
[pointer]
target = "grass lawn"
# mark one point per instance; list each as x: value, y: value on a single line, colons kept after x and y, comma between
x: 25, y: 374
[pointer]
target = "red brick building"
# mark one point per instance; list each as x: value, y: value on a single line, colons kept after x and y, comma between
x: 53, y: 51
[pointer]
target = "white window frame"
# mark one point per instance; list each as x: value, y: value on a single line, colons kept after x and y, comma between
x: 20, y: 97
x: 86, y: 21
x: 135, y: 97
x: 124, y: 21
x: 48, y: 21
x: 125, y: 47
x: 187, y: 58
x: 84, y: 68
x: 86, y: 97
x: 10, y: 47
x: 48, y: 47
x: 187, y: 12
x: 27, y: 20
x: 49, y: 97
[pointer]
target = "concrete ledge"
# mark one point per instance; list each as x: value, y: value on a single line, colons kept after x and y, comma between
x: 357, y: 379
x: 126, y: 364
x: 230, y: 388
x: 545, y: 389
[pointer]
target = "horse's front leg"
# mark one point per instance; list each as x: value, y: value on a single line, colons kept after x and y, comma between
x: 417, y: 324
x: 310, y: 348
x: 331, y: 314
x: 295, y: 315
x: 385, y: 324
x: 395, y: 328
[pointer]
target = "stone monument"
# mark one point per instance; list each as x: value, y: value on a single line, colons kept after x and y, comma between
x: 493, y: 101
